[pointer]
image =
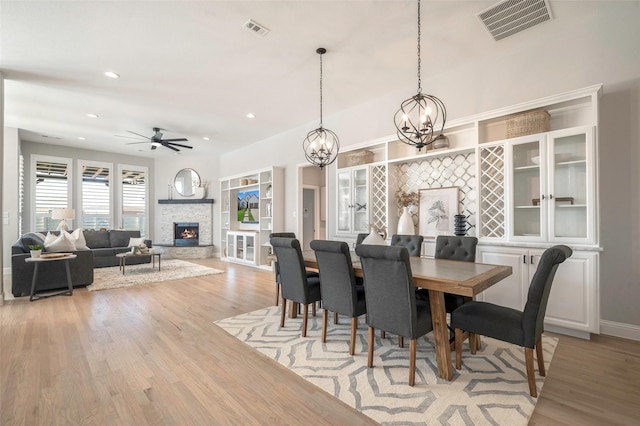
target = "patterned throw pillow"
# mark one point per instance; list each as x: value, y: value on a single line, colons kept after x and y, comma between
x: 135, y: 242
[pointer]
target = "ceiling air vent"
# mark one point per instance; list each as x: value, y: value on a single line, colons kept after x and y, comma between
x: 256, y: 28
x: 509, y: 17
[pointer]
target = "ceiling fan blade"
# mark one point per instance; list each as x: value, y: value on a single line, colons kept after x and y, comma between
x: 175, y: 140
x: 129, y: 137
x: 177, y: 144
x: 170, y: 147
x: 135, y: 143
x: 138, y: 134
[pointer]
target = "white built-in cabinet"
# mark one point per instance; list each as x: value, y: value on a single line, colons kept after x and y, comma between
x: 525, y: 193
x: 553, y: 188
x: 241, y: 247
x: 353, y: 200
x: 252, y: 207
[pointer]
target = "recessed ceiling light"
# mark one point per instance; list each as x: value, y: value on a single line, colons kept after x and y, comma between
x: 112, y: 74
x: 251, y: 115
x: 92, y: 115
x: 82, y: 138
x: 205, y: 138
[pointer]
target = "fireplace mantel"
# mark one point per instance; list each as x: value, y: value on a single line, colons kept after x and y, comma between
x: 187, y: 201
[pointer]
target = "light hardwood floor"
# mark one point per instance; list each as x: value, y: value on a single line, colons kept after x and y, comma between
x: 151, y: 355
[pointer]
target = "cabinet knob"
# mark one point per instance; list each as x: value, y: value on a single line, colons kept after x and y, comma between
x: 543, y: 197
x: 550, y: 196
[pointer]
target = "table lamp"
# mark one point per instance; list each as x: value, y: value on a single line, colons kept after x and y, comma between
x: 62, y: 214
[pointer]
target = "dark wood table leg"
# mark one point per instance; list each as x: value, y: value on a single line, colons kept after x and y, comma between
x: 441, y: 334
x: 33, y: 281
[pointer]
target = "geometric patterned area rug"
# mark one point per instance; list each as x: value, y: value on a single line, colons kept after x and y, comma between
x: 490, y: 389
x: 172, y: 269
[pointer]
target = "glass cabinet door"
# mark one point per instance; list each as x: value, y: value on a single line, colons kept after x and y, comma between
x: 529, y: 200
x: 569, y: 189
x: 361, y: 199
x: 239, y: 247
x: 344, y: 201
x: 250, y: 248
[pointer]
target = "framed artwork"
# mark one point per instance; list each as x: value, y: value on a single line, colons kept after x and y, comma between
x: 249, y: 206
x: 437, y: 208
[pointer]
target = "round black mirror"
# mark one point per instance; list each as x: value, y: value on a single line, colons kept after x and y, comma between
x: 186, y: 182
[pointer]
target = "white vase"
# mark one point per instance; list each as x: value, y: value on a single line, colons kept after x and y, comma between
x: 200, y: 192
x: 374, y: 239
x: 405, y: 223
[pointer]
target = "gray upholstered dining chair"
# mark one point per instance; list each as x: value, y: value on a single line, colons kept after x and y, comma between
x: 522, y: 328
x: 390, y: 298
x: 413, y: 243
x: 455, y: 247
x: 295, y: 284
x: 338, y: 285
x: 276, y: 267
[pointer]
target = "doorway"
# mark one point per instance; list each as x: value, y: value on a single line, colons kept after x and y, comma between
x: 311, y: 205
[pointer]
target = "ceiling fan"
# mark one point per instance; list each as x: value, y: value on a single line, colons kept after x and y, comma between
x: 156, y: 140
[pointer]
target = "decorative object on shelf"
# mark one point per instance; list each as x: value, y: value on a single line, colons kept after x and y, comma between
x: 570, y: 200
x: 321, y: 146
x: 528, y: 123
x: 62, y: 215
x: 437, y: 209
x: 375, y: 237
x: 267, y: 191
x: 405, y: 223
x: 406, y: 200
x: 461, y: 225
x: 36, y: 250
x: 440, y: 142
x: 357, y: 158
x: 421, y: 118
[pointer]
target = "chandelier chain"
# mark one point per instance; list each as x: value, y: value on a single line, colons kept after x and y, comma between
x: 419, y: 28
x: 321, y: 90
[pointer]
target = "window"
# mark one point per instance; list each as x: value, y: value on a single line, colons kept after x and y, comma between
x: 95, y: 195
x: 52, y: 189
x: 134, y: 198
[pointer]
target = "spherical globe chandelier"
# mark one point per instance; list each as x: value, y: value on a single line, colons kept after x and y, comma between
x: 321, y: 146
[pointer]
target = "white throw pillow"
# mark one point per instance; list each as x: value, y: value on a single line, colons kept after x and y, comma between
x: 58, y: 243
x: 135, y: 242
x: 77, y: 237
x: 374, y: 239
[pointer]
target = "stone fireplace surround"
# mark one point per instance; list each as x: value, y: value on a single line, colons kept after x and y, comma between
x: 185, y: 210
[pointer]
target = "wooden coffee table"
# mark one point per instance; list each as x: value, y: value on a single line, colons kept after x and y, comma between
x: 122, y: 257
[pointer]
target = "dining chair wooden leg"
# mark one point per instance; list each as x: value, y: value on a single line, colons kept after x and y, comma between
x: 459, y: 338
x: 370, y: 353
x: 313, y: 309
x: 283, y: 312
x: 305, y: 316
x: 400, y: 341
x: 540, y: 357
x: 277, y: 292
x: 472, y: 343
x: 335, y: 317
x: 325, y: 314
x: 531, y: 378
x: 383, y: 335
x: 354, y: 329
x: 412, y: 362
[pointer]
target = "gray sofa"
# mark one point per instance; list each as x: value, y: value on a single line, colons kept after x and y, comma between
x: 103, y: 247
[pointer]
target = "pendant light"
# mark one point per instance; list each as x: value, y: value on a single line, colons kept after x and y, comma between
x: 321, y: 145
x: 421, y: 118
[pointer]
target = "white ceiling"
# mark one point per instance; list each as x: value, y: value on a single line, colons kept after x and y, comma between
x: 191, y: 68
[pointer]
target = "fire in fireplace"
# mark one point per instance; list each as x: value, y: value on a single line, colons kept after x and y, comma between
x: 185, y: 233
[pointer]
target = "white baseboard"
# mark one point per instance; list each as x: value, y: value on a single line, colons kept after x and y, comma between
x: 618, y: 329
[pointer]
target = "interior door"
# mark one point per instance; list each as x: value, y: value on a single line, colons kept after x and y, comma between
x: 308, y: 217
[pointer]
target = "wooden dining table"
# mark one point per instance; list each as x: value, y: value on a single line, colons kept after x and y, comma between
x: 440, y: 276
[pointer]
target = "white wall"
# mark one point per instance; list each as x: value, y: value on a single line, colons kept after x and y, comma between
x: 10, y: 193
x: 604, y: 48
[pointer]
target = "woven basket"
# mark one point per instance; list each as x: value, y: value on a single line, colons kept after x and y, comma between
x: 358, y: 158
x: 528, y: 123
